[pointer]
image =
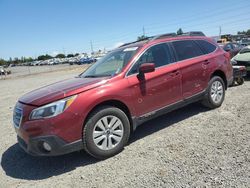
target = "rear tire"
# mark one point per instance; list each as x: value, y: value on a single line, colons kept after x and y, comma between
x: 215, y: 93
x: 106, y: 132
x: 240, y: 81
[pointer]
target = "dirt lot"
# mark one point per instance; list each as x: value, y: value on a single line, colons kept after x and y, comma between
x: 190, y: 147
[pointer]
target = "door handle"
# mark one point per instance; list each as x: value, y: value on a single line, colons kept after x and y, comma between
x: 206, y: 62
x: 174, y: 73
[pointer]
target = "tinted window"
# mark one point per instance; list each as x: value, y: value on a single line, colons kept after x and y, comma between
x: 186, y: 49
x: 159, y: 54
x: 228, y: 47
x: 207, y: 47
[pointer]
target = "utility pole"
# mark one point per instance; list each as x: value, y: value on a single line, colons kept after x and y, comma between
x: 91, y: 46
x: 143, y: 31
x: 220, y: 32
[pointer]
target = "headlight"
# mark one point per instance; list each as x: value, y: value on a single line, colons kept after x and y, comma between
x: 233, y: 62
x: 52, y: 109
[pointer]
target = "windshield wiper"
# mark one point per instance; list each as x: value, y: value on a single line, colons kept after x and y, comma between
x: 96, y: 76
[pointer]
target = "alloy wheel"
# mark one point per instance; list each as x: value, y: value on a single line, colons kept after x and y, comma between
x: 108, y: 132
x: 216, y: 92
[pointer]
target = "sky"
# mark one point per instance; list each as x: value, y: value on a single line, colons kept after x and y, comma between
x: 34, y: 27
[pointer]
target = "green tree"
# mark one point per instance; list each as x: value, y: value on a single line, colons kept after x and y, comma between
x: 60, y: 56
x: 16, y: 60
x: 248, y: 32
x: 241, y: 32
x: 28, y: 59
x: 244, y: 32
x: 77, y: 54
x: 3, y: 62
x: 179, y: 31
x: 70, y: 55
x: 44, y: 57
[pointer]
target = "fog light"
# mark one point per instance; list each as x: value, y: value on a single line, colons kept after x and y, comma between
x: 46, y: 146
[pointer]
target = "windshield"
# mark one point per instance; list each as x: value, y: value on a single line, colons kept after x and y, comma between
x: 111, y: 64
x: 245, y: 50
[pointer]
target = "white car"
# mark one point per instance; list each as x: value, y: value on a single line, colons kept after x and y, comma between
x: 242, y: 58
x: 3, y: 71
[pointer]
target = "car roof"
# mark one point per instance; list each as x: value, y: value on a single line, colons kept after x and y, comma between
x: 159, y: 40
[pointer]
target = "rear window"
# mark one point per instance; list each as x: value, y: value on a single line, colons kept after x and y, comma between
x: 186, y: 49
x: 207, y: 47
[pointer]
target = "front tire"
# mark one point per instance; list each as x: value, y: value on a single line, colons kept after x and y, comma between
x: 106, y: 132
x: 215, y: 93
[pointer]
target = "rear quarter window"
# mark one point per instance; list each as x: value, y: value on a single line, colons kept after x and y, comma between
x: 206, y: 47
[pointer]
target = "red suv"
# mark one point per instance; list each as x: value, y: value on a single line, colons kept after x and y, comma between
x: 99, y: 109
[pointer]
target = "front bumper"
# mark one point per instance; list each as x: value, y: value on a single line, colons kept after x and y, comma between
x: 58, y: 146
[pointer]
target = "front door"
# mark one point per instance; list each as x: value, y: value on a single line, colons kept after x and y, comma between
x: 159, y: 88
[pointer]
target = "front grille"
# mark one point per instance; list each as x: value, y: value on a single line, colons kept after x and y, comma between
x: 243, y: 63
x: 17, y: 116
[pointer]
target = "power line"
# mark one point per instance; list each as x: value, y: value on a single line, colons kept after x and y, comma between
x: 194, y: 18
x: 204, y: 13
x: 189, y: 19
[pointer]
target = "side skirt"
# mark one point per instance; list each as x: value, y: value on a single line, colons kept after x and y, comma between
x: 156, y: 113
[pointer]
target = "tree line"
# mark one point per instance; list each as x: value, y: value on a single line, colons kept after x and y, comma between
x: 60, y: 55
x: 17, y: 60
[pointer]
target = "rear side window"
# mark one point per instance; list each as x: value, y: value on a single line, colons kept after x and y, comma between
x: 159, y: 54
x: 207, y: 47
x: 186, y: 49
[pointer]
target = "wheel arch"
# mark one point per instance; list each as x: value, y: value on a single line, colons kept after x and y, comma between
x: 115, y: 103
x: 221, y: 74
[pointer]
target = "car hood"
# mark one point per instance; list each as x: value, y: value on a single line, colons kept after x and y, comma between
x: 242, y: 57
x: 60, y: 90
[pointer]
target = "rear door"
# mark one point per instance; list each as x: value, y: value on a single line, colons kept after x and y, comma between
x: 159, y: 88
x: 193, y: 66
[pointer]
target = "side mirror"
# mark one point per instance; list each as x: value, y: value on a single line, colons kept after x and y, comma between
x: 227, y: 49
x: 146, y: 68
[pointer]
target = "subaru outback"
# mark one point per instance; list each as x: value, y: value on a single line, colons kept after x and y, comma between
x: 98, y: 110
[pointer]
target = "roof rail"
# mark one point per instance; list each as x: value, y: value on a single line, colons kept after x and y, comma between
x: 166, y: 35
x: 152, y: 38
x: 193, y: 33
x: 146, y: 38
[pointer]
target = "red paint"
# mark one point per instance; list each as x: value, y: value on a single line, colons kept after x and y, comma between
x: 164, y: 86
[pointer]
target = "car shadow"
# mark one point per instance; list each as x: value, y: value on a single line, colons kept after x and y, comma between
x: 167, y: 120
x: 247, y: 78
x: 17, y: 164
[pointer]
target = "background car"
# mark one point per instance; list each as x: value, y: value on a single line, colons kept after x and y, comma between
x: 4, y: 71
x: 86, y: 61
x: 243, y: 58
x: 232, y: 48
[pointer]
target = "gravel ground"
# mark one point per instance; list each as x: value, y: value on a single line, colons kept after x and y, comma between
x: 190, y: 147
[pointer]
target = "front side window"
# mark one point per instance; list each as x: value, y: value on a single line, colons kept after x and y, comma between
x: 186, y: 49
x: 159, y: 54
x: 111, y: 64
